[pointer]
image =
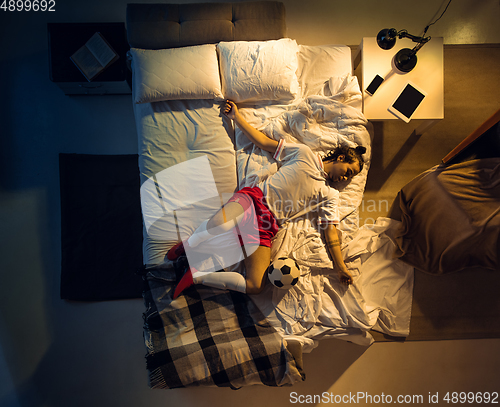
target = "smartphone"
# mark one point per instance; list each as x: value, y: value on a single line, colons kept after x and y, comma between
x: 374, y: 84
x: 407, y: 102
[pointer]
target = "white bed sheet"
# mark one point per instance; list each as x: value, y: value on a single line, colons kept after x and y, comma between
x: 173, y: 134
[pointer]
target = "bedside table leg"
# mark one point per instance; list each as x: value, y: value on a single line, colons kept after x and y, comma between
x: 424, y: 126
x: 356, y: 60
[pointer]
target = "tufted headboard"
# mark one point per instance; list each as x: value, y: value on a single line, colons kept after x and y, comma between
x: 157, y: 26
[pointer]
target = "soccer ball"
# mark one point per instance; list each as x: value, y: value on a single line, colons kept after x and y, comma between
x: 284, y: 273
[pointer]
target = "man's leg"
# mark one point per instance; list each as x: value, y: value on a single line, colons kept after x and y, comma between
x: 224, y: 220
x: 255, y: 265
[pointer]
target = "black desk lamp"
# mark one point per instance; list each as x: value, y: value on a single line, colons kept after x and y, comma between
x: 406, y: 58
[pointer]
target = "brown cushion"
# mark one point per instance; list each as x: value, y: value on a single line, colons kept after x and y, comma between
x: 451, y: 217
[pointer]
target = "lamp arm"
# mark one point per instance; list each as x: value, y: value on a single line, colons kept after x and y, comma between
x: 414, y: 38
x: 420, y: 45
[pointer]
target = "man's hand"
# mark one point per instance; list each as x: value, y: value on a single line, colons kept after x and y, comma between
x: 230, y: 110
x: 345, y: 277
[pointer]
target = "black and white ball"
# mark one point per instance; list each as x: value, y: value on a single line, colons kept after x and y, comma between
x: 283, y: 273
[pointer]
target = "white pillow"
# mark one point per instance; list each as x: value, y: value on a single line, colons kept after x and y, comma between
x: 255, y: 70
x: 176, y: 73
x: 318, y: 63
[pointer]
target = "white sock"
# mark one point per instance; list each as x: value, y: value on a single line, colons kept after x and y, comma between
x: 225, y: 280
x: 200, y: 235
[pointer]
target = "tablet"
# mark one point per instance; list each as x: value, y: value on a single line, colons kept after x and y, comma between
x: 407, y: 102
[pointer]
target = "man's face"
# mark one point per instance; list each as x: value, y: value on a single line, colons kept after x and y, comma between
x: 342, y: 171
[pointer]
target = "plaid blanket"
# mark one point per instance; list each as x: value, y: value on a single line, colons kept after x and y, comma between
x: 210, y: 337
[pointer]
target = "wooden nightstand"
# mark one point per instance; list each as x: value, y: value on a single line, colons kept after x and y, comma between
x: 66, y: 38
x: 371, y: 60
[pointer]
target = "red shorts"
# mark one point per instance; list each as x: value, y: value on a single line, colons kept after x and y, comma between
x: 260, y: 232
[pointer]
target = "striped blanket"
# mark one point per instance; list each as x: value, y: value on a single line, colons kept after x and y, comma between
x: 209, y: 337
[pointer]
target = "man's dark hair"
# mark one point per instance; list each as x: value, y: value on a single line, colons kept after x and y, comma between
x: 351, y: 155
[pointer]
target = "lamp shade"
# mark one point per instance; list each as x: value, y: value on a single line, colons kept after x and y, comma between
x: 405, y: 60
x: 386, y: 38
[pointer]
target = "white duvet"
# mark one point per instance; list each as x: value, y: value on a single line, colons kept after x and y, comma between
x: 319, y: 305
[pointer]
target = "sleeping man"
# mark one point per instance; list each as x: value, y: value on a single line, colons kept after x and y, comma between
x: 300, y: 185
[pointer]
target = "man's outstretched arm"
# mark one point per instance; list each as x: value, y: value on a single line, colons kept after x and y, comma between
x: 256, y: 137
x: 333, y: 246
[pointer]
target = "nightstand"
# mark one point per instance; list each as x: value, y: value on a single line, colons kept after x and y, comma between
x: 66, y: 38
x: 371, y: 60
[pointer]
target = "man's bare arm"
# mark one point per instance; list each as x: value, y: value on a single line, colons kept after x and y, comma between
x: 333, y: 247
x: 256, y: 137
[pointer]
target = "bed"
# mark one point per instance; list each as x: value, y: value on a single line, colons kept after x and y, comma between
x: 186, y: 60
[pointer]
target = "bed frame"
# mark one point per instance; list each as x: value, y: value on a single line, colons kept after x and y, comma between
x: 157, y: 26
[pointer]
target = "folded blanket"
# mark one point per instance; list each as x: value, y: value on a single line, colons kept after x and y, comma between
x: 209, y: 337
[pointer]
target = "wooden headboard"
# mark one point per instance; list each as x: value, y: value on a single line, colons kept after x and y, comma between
x: 158, y: 26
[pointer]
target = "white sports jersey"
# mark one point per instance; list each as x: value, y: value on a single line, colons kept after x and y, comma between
x: 300, y: 186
